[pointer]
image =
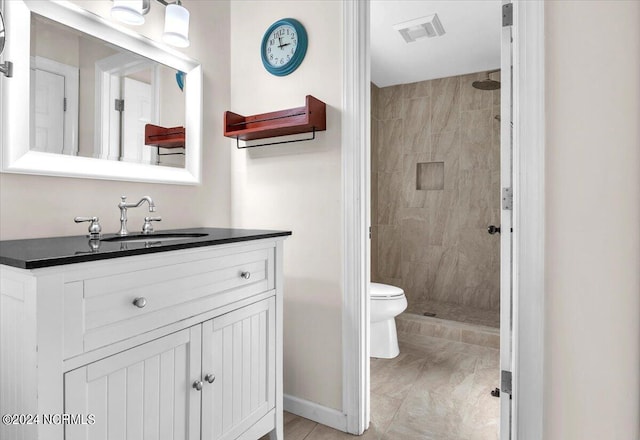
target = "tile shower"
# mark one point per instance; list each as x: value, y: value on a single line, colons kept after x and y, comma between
x: 435, y: 160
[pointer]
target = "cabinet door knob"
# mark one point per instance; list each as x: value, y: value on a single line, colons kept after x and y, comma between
x: 246, y: 275
x: 198, y: 385
x: 140, y: 302
x: 210, y: 378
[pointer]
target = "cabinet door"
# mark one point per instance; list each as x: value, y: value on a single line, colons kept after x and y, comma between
x: 142, y: 393
x: 238, y: 349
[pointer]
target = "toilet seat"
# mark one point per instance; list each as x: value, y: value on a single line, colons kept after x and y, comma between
x: 384, y: 291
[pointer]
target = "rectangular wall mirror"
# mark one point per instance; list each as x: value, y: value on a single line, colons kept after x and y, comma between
x: 103, y: 102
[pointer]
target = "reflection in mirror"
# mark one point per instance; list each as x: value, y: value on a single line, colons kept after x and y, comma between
x: 90, y: 98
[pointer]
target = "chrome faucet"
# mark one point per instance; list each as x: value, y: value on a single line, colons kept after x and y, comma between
x: 123, y: 205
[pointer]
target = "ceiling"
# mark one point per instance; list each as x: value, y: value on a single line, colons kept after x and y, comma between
x: 471, y: 42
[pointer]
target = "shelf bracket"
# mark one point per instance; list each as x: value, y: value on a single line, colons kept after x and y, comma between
x: 159, y: 154
x: 275, y: 143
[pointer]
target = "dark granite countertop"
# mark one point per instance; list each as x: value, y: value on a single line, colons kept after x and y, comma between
x: 34, y: 253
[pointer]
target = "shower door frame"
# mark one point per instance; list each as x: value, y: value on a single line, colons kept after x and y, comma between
x: 528, y: 217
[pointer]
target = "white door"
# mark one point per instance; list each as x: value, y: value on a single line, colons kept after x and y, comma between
x: 506, y: 236
x: 48, y: 112
x: 238, y: 350
x: 142, y: 393
x: 137, y: 113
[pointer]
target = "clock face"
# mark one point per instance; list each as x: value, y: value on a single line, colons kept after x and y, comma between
x: 281, y: 45
x: 284, y: 46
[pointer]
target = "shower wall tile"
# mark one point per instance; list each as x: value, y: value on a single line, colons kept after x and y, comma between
x: 472, y: 98
x: 389, y: 198
x: 375, y: 131
x: 496, y: 93
x: 417, y: 277
x: 445, y: 146
x: 476, y: 140
x: 495, y: 137
x: 390, y: 102
x: 475, y: 189
x: 445, y: 115
x: 445, y: 282
x: 375, y: 106
x: 389, y: 251
x: 433, y: 242
x: 374, y: 252
x: 374, y: 198
x: 496, y: 196
x: 390, y: 139
x: 417, y: 89
x: 417, y: 124
x: 390, y: 281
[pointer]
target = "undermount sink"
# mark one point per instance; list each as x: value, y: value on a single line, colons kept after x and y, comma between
x: 141, y: 238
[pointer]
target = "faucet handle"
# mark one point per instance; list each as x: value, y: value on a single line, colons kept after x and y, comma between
x: 147, y: 228
x: 94, y: 228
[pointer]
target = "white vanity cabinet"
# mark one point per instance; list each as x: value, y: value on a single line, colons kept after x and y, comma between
x: 139, y: 393
x: 182, y: 344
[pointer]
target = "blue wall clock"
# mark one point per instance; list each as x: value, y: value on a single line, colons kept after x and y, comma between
x: 284, y: 46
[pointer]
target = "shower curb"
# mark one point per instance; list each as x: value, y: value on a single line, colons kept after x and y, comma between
x: 412, y: 324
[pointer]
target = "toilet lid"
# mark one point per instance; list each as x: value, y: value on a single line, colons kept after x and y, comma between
x: 378, y: 290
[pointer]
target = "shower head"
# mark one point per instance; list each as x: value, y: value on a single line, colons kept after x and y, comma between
x: 487, y: 84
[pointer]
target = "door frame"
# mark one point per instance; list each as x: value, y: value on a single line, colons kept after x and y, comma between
x: 109, y: 73
x: 71, y: 76
x: 528, y: 219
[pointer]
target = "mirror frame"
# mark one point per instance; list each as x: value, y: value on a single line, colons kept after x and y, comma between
x: 16, y: 155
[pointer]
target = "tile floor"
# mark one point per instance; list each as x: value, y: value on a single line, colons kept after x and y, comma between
x: 456, y: 312
x: 435, y: 389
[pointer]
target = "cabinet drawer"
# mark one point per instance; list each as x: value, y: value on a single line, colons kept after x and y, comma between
x: 102, y: 309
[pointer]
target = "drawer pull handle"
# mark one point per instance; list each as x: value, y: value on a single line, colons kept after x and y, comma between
x: 140, y: 302
x: 246, y: 275
x: 198, y: 385
x: 210, y: 378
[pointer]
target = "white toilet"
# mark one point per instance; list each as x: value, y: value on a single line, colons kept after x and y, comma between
x: 387, y: 302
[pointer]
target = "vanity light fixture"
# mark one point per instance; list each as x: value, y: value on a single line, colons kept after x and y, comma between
x: 176, y: 18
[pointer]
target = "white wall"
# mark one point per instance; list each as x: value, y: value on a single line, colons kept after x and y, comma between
x: 592, y: 352
x: 296, y: 186
x: 32, y: 206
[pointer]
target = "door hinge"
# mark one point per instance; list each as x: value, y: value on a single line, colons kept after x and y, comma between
x: 505, y: 382
x: 119, y: 106
x: 369, y: 232
x: 507, y: 14
x: 507, y: 199
x: 64, y: 104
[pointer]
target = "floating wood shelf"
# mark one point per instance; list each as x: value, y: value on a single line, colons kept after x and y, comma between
x: 163, y: 137
x: 308, y: 119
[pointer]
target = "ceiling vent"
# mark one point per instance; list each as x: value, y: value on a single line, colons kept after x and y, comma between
x: 419, y: 28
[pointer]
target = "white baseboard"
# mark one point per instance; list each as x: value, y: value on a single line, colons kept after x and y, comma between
x: 321, y: 414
